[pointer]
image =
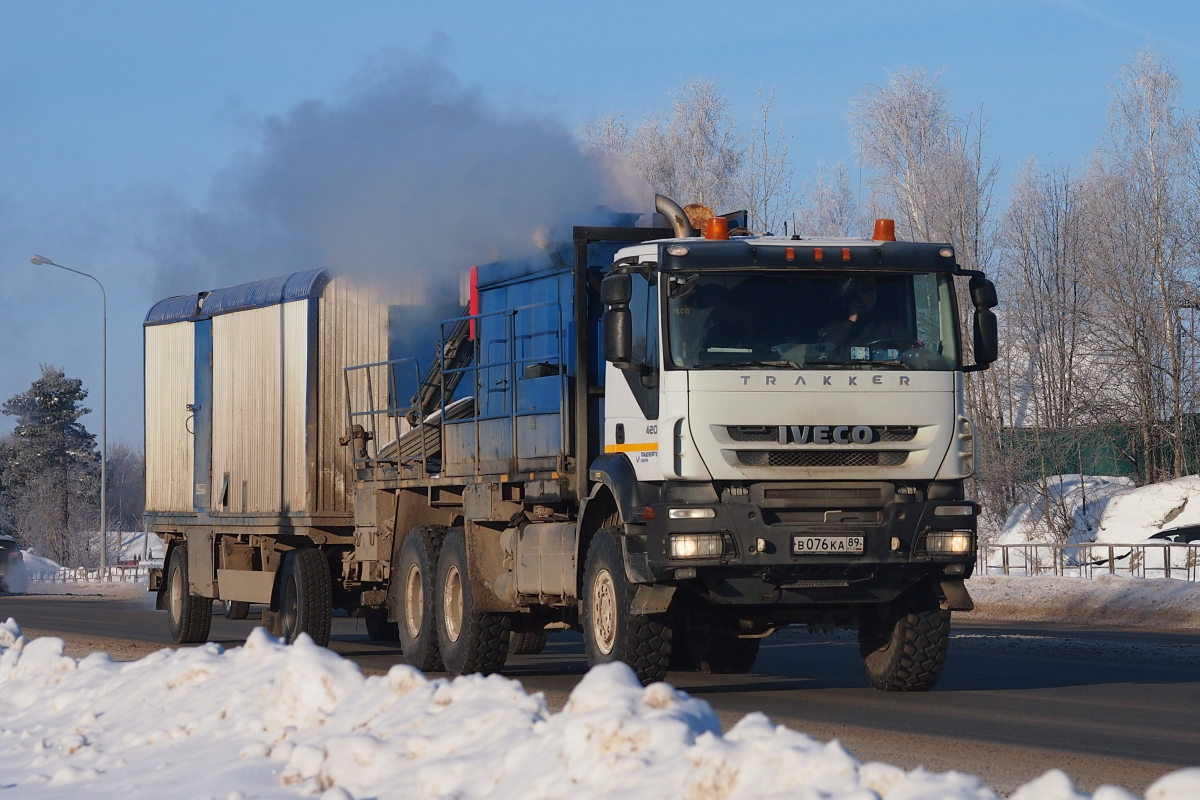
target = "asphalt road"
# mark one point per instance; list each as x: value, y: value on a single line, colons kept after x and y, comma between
x: 1100, y: 699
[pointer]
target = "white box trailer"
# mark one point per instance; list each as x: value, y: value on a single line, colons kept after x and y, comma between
x: 245, y: 403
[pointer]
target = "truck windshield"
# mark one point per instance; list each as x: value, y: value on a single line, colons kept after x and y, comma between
x: 863, y: 320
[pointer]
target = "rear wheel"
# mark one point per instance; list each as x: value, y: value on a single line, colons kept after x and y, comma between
x: 189, y: 618
x: 906, y: 650
x: 306, y: 596
x: 417, y: 575
x: 610, y: 631
x: 378, y: 627
x: 470, y: 640
x: 527, y: 643
x: 236, y: 609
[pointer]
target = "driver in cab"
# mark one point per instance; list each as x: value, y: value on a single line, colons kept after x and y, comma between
x: 864, y: 323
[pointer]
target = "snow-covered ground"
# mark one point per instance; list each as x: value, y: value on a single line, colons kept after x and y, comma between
x: 265, y: 720
x: 1106, y: 600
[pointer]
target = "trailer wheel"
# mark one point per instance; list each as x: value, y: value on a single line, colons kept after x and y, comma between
x: 305, y: 596
x: 417, y: 574
x: 527, y: 643
x: 906, y: 652
x: 236, y: 609
x: 189, y: 618
x: 378, y: 627
x: 610, y: 632
x: 470, y: 640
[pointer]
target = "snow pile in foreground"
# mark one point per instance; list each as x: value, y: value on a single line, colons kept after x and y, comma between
x: 1081, y: 500
x: 1115, y: 600
x: 276, y: 721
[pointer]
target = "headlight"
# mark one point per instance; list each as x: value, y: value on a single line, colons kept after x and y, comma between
x: 949, y: 543
x: 700, y: 545
x: 691, y: 513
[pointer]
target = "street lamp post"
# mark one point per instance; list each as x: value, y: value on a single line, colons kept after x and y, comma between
x: 40, y: 261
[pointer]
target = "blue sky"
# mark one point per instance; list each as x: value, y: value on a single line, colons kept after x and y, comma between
x: 115, y: 114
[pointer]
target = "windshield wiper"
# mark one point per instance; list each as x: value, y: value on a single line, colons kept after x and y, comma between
x: 750, y: 364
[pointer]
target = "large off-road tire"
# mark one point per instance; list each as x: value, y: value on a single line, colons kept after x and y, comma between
x: 906, y: 650
x: 188, y: 617
x: 610, y: 632
x: 417, y: 576
x: 305, y: 596
x: 236, y: 609
x: 527, y: 643
x: 378, y: 627
x: 470, y: 640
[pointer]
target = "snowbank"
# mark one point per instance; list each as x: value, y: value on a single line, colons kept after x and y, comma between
x: 35, y: 564
x: 1140, y: 513
x: 270, y: 720
x: 1104, y: 509
x: 1105, y: 600
x: 1081, y: 499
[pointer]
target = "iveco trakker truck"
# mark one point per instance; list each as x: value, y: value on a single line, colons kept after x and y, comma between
x: 674, y: 442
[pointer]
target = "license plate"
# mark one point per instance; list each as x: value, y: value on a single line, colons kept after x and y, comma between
x: 827, y: 544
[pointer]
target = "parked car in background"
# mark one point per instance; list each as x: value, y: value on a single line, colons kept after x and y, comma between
x: 1184, y: 535
x: 12, y: 566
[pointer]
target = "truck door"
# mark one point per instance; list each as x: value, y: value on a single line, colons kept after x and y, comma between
x: 631, y: 397
x: 202, y: 417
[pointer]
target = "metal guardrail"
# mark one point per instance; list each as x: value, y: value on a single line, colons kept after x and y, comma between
x: 1140, y: 559
x: 110, y: 574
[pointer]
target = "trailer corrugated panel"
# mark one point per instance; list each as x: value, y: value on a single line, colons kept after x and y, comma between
x: 170, y: 385
x: 352, y: 329
x: 295, y: 404
x: 248, y: 416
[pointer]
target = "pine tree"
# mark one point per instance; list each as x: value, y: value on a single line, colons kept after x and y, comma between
x: 50, y: 466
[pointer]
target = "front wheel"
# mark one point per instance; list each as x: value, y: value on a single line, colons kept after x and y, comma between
x: 905, y: 651
x: 470, y: 640
x: 610, y: 631
x: 189, y: 618
x: 306, y: 596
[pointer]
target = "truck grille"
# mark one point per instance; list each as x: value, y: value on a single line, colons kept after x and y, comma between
x: 822, y: 458
x: 770, y: 433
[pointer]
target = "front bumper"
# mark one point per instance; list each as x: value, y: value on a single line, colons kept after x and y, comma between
x: 758, y: 523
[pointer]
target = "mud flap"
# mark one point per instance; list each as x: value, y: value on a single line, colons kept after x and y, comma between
x: 157, y: 583
x: 953, y: 596
x: 651, y: 599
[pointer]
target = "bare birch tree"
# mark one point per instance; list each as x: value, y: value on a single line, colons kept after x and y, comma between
x: 765, y: 182
x: 927, y: 168
x: 829, y: 206
x: 1143, y: 263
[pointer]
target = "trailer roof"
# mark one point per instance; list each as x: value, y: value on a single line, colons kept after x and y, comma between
x: 256, y: 294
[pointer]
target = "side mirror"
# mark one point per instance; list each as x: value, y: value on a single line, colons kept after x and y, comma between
x: 987, y: 342
x: 983, y: 293
x: 618, y: 335
x: 617, y: 289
